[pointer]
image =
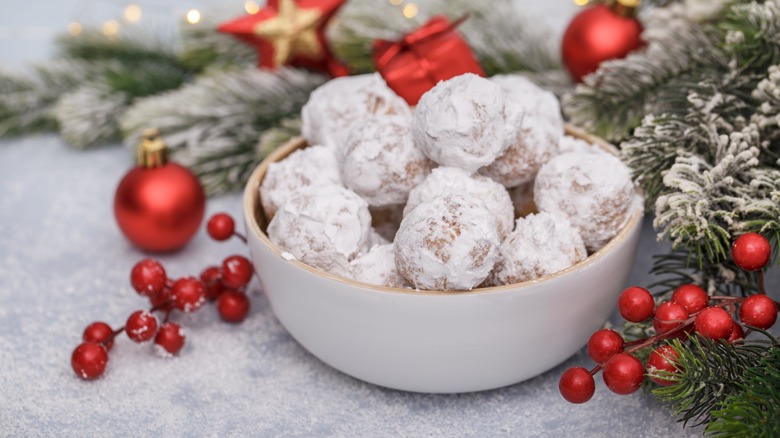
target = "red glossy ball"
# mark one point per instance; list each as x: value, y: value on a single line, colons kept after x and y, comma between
x: 577, y: 385
x: 236, y: 272
x: 663, y: 358
x: 604, y: 344
x: 233, y: 306
x: 668, y: 316
x: 714, y: 323
x: 736, y: 332
x: 212, y: 278
x: 188, y: 293
x: 89, y: 360
x: 623, y: 373
x: 221, y: 226
x: 758, y: 311
x: 148, y: 277
x: 141, y: 326
x: 98, y: 332
x: 636, y: 304
x: 692, y: 297
x: 595, y: 35
x: 751, y: 251
x: 170, y: 338
x: 159, y: 209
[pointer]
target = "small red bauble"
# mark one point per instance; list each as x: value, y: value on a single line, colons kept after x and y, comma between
x: 141, y: 326
x: 669, y: 315
x: 758, y: 311
x: 736, y: 332
x: 577, y: 385
x: 236, y: 272
x: 148, y: 277
x: 170, y: 338
x: 604, y: 344
x: 89, y: 360
x: 623, y: 373
x: 188, y: 293
x: 598, y: 34
x: 663, y: 358
x: 692, y: 297
x: 233, y: 306
x: 158, y: 205
x: 211, y: 277
x: 714, y: 323
x: 221, y: 226
x: 99, y: 332
x: 636, y: 304
x: 751, y: 251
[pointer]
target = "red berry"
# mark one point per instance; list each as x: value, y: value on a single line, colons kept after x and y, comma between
x: 163, y: 300
x: 577, y: 385
x: 623, y: 373
x: 170, y: 339
x: 233, y: 306
x: 751, y: 251
x: 189, y: 294
x: 636, y: 304
x: 221, y: 226
x: 668, y: 316
x: 99, y: 332
x: 663, y: 358
x: 148, y: 277
x: 141, y: 326
x: 736, y: 332
x: 714, y: 323
x: 604, y: 344
x: 758, y: 311
x: 212, y: 277
x: 692, y: 297
x: 89, y: 360
x: 236, y: 272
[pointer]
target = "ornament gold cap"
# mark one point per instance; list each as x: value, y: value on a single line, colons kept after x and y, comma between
x: 625, y: 8
x: 152, y: 151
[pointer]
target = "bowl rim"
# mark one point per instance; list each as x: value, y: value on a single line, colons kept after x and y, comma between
x: 252, y: 208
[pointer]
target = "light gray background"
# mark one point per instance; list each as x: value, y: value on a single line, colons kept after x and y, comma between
x: 64, y: 263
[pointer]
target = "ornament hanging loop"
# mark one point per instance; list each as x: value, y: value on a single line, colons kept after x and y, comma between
x: 152, y: 151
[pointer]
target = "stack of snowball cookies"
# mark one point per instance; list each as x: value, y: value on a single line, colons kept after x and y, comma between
x: 427, y: 198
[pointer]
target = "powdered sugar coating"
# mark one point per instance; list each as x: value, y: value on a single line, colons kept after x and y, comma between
x: 541, y: 244
x: 322, y: 226
x: 315, y: 165
x: 377, y: 266
x: 533, y: 144
x: 334, y: 107
x: 448, y: 243
x: 593, y: 191
x: 451, y: 180
x: 381, y: 162
x: 533, y: 99
x: 573, y: 144
x: 463, y: 122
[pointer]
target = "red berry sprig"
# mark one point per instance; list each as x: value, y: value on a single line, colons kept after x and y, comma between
x: 226, y: 283
x: 690, y: 310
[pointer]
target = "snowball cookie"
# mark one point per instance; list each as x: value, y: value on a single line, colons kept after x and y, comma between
x: 377, y: 267
x: 448, y: 243
x: 532, y: 98
x: 532, y: 145
x: 463, y: 122
x: 381, y: 162
x: 322, y: 226
x: 452, y: 181
x: 315, y: 165
x: 574, y: 144
x: 541, y: 244
x: 328, y: 115
x: 593, y: 191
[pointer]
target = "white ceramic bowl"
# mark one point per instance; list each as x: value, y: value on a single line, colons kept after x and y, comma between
x: 439, y: 342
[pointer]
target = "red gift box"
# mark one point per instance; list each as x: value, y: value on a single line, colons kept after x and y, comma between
x: 432, y: 53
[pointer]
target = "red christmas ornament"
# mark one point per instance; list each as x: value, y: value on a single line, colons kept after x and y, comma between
x: 158, y: 205
x: 600, y: 33
x: 290, y: 32
x: 432, y: 53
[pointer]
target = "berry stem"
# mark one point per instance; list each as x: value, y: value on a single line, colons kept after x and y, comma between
x: 240, y: 236
x: 113, y: 335
x: 761, y: 289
